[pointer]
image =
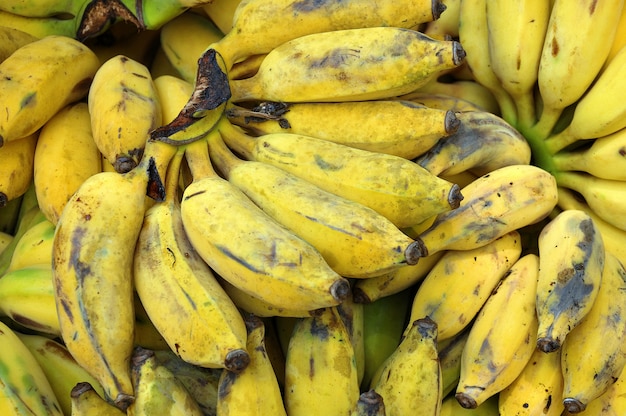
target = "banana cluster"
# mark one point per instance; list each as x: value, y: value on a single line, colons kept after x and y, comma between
x: 279, y: 207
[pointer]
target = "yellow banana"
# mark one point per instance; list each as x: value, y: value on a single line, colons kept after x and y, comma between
x: 60, y: 71
x: 450, y: 352
x: 320, y: 367
x: 24, y: 388
x: 465, y: 89
x: 146, y: 334
x: 572, y: 258
x: 27, y: 218
x: 124, y: 108
x: 12, y: 39
x: 494, y: 355
x: 576, y: 44
x: 248, y: 248
x: 370, y: 403
x: 221, y: 13
x: 16, y: 171
x: 400, y: 128
x: 408, y: 197
x: 610, y: 403
x: 537, y: 390
x: 410, y: 381
x: 461, y: 281
x: 284, y: 20
x: 65, y: 156
x: 594, y: 352
x: 442, y: 101
x: 354, y: 240
x: 347, y: 65
x: 501, y: 201
x: 619, y: 41
x: 254, y: 390
x: 86, y: 401
x: 92, y: 269
x: 157, y: 390
x: 484, y: 142
x: 34, y: 247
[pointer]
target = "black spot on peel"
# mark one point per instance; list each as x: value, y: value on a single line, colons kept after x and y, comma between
x: 311, y: 367
x: 323, y: 164
x: 319, y: 330
x: 304, y: 6
x: 29, y: 100
x: 27, y: 322
x: 81, y: 268
x: 225, y: 384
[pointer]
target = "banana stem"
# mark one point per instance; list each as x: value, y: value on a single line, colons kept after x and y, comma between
x: 561, y: 140
x: 197, y: 155
x: 221, y: 156
x: 548, y: 119
x: 237, y: 139
x: 507, y: 106
x: 172, y: 175
x: 526, y: 116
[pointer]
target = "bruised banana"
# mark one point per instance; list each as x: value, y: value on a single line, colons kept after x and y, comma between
x: 61, y: 70
x: 494, y: 355
x: 572, y: 257
x: 124, y: 108
x: 501, y: 201
x: 348, y: 65
x: 248, y: 248
x: 395, y: 127
x: 16, y: 171
x: 355, y: 240
x: 407, y: 197
x: 283, y: 20
x: 87, y: 402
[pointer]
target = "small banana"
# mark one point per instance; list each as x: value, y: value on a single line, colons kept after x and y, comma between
x: 395, y: 127
x: 410, y: 381
x: 320, y: 367
x: 346, y: 65
x: 370, y: 403
x: 494, y: 355
x: 458, y: 285
x: 407, y: 197
x: 86, y: 401
x: 12, y: 39
x: 501, y: 201
x: 254, y: 390
x: 16, y: 171
x: 34, y: 247
x: 60, y: 72
x: 572, y: 258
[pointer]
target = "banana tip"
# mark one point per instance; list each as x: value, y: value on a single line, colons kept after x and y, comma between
x: 237, y: 360
x: 124, y: 164
x: 451, y: 122
x: 415, y: 251
x: 123, y: 401
x: 466, y: 401
x: 548, y: 344
x: 455, y: 196
x: 359, y: 296
x: 573, y: 405
x: 340, y: 290
x: 438, y: 8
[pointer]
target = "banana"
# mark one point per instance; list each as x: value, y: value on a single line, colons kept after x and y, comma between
x: 12, y: 39
x: 610, y: 403
x: 284, y: 20
x: 92, y: 269
x: 461, y: 281
x: 40, y: 27
x: 254, y: 390
x: 346, y: 65
x: 501, y: 201
x: 494, y: 355
x: 157, y: 390
x: 605, y: 158
x: 576, y: 44
x: 34, y: 247
x: 370, y: 403
x: 598, y: 113
x: 451, y: 407
x: 16, y: 172
x: 619, y: 41
x: 353, y: 239
x: 465, y: 89
x: 248, y: 248
x: 408, y: 197
x: 442, y: 101
x: 27, y: 297
x: 484, y: 142
x: 450, y: 352
x: 410, y: 381
x: 572, y: 257
x: 221, y: 13
x: 124, y: 108
x: 537, y: 390
x: 146, y: 334
x: 60, y: 368
x: 395, y: 127
x: 594, y: 352
x: 179, y: 292
x: 61, y: 70
x: 516, y: 37
x: 27, y: 218
x: 86, y: 401
x: 24, y: 388
x: 65, y: 156
x: 320, y: 367
x: 184, y: 39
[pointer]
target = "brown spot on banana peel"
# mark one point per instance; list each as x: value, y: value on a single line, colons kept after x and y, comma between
x: 225, y: 384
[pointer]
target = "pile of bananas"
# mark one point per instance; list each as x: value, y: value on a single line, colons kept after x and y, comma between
x: 279, y: 207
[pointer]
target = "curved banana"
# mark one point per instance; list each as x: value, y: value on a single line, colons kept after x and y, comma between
x: 124, y: 108
x: 410, y: 381
x: 65, y: 156
x: 572, y: 257
x: 395, y: 127
x: 408, y: 197
x: 248, y: 248
x: 594, y: 352
x: 86, y: 401
x: 494, y: 355
x: 501, y: 201
x: 320, y: 363
x: 24, y: 388
x: 610, y: 403
x: 16, y: 171
x: 370, y: 403
x: 484, y: 142
x: 34, y: 247
x: 12, y: 39
x: 61, y: 70
x: 284, y: 20
x: 254, y: 390
x: 461, y: 281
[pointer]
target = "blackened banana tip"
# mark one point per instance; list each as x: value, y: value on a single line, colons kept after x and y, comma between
x: 573, y: 405
x: 455, y: 196
x: 548, y: 344
x: 340, y: 290
x: 451, y: 122
x: 416, y: 250
x: 466, y: 401
x: 458, y: 53
x: 438, y: 8
x: 237, y: 360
